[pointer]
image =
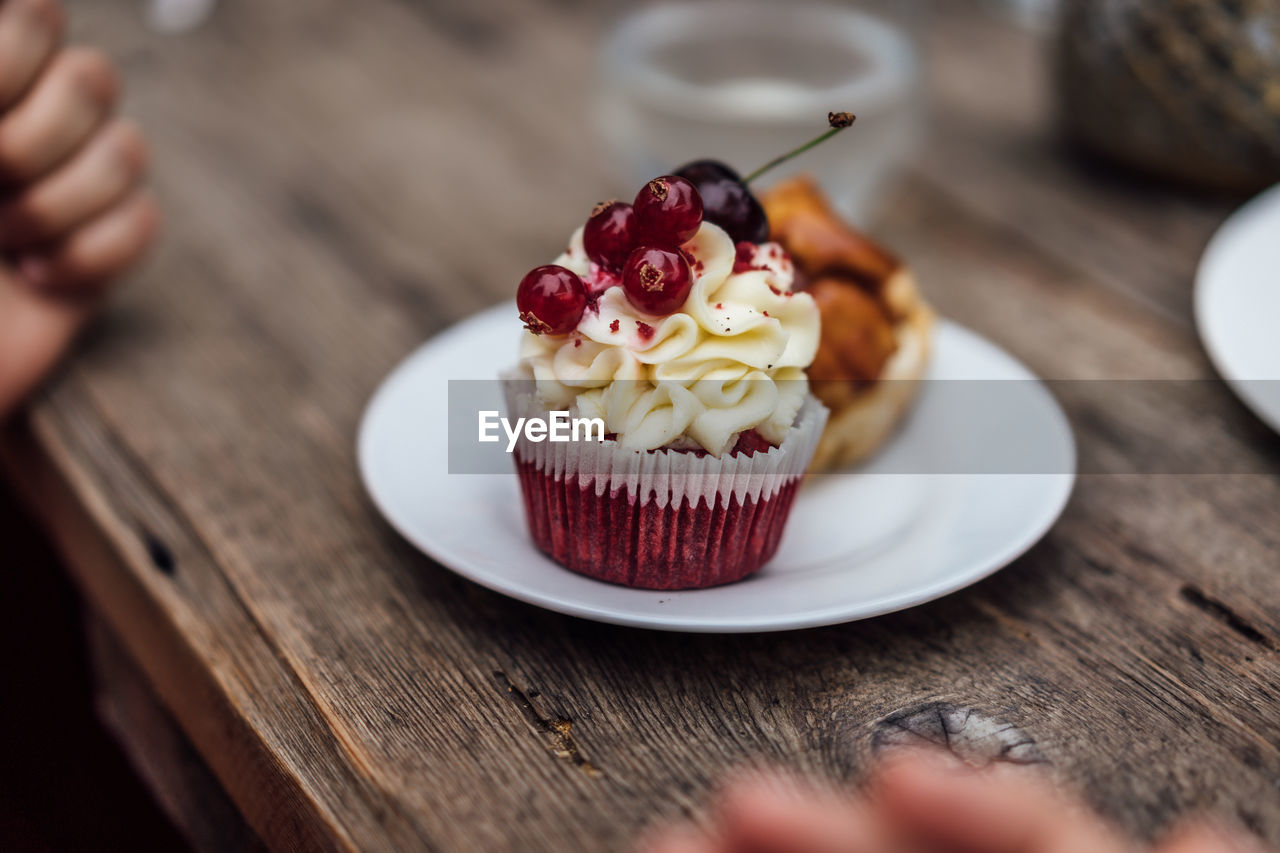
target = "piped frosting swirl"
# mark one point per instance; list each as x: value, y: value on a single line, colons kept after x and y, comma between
x: 731, y: 359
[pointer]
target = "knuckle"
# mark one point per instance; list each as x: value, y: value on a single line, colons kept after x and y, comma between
x: 134, y: 229
x: 10, y: 85
x: 16, y: 163
x: 33, y: 218
x: 26, y: 220
x: 91, y: 73
x: 44, y: 17
x: 144, y: 223
x: 39, y: 25
x: 132, y: 150
x: 150, y: 220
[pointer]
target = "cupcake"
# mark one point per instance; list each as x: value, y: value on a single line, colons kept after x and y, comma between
x: 671, y: 324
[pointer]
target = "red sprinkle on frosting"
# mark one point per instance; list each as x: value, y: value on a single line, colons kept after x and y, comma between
x: 646, y: 331
x: 613, y: 327
x: 749, y: 256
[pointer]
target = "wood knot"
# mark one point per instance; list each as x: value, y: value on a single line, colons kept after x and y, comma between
x: 161, y: 555
x: 557, y: 733
x: 972, y: 736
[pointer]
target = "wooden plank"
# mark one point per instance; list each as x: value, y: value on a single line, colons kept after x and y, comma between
x: 210, y: 665
x: 160, y: 753
x: 325, y: 216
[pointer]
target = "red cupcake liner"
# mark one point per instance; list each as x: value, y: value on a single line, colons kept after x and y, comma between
x: 617, y: 538
x: 661, y: 519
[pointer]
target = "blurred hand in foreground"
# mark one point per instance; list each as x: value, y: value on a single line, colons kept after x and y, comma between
x: 917, y: 803
x: 73, y: 215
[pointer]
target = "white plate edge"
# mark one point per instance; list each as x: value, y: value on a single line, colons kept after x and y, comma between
x: 834, y: 616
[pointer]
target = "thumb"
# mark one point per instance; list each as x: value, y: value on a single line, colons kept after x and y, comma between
x: 35, y: 329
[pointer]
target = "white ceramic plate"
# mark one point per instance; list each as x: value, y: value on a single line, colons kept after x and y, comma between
x: 856, y: 545
x: 1238, y: 304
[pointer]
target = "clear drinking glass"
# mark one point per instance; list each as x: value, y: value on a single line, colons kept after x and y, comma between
x: 746, y: 80
x: 1038, y: 15
x: 178, y: 16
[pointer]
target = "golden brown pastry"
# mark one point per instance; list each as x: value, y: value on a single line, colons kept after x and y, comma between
x: 876, y: 327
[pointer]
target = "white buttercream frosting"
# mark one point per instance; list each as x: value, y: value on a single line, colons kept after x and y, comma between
x: 731, y: 359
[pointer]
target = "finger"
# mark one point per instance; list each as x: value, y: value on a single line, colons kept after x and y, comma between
x: 97, y: 252
x: 68, y: 103
x: 30, y: 32
x: 776, y: 814
x: 1204, y: 838
x: 676, y: 839
x: 34, y: 332
x: 101, y: 175
x: 927, y: 800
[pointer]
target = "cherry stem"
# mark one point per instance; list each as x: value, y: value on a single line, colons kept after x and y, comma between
x: 838, y: 122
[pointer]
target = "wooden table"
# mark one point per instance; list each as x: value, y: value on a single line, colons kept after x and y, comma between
x: 344, y: 180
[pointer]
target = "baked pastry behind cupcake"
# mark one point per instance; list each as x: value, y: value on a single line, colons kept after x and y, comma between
x: 876, y: 327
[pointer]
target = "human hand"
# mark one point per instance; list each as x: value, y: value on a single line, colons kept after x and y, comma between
x: 918, y: 803
x: 73, y: 215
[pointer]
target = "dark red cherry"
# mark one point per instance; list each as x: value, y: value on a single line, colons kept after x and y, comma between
x: 668, y: 211
x: 551, y: 300
x: 727, y: 201
x: 729, y: 204
x: 609, y: 235
x: 657, y: 281
x: 701, y: 172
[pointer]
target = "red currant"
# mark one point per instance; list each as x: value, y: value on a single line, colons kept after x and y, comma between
x: 668, y: 211
x: 551, y: 300
x: 657, y: 281
x: 609, y: 235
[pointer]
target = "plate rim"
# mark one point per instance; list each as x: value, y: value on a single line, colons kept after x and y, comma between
x: 1268, y: 200
x: 835, y: 615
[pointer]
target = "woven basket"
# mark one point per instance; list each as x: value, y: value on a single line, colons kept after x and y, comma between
x: 1183, y: 89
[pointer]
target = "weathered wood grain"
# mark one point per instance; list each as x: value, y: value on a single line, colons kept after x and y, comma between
x: 175, y: 773
x: 342, y: 181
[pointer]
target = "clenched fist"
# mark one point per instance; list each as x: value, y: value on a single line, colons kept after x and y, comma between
x: 73, y: 215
